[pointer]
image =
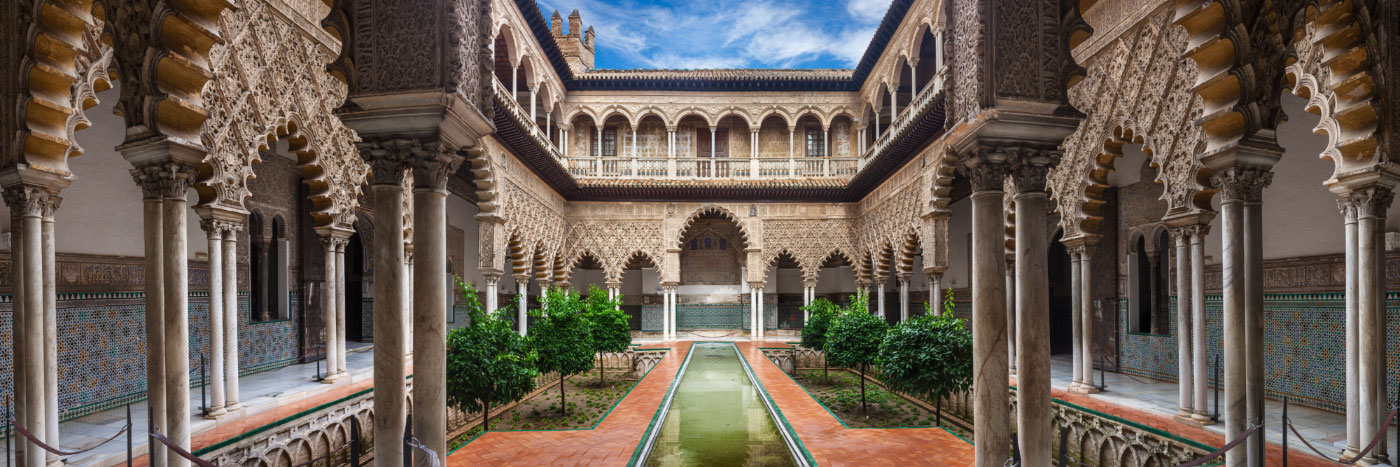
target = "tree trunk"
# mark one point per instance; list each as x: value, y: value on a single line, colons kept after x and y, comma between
x: 600, y: 370
x: 564, y: 409
x: 863, y: 409
x: 826, y: 370
x: 486, y: 417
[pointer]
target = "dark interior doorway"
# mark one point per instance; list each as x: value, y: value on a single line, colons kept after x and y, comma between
x: 354, y: 290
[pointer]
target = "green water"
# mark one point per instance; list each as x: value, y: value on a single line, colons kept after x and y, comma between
x: 717, y: 418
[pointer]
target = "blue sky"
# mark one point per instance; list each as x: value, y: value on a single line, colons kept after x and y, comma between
x: 727, y: 33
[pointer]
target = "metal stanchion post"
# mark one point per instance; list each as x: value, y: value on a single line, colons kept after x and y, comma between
x: 354, y: 444
x: 129, y: 428
x: 318, y: 371
x: 1064, y: 440
x: 1103, y: 378
x: 150, y: 433
x: 203, y: 385
x: 407, y: 435
x: 938, y: 412
x: 1283, y: 430
x: 1259, y: 442
x: 9, y: 421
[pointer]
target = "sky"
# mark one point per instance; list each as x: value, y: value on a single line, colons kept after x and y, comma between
x: 689, y: 34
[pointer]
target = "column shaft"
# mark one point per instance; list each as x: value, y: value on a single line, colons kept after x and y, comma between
x: 155, y: 316
x: 1254, y: 324
x: 231, y: 314
x: 522, y: 287
x: 1198, y: 323
x: 340, y: 305
x: 903, y: 299
x: 1033, y: 412
x: 1233, y: 324
x: 1011, y: 315
x: 1353, y: 332
x: 50, y: 330
x: 1183, y: 328
x: 1086, y: 318
x: 1371, y: 321
x: 880, y: 294
x: 1075, y: 307
x: 214, y: 233
x: 665, y: 315
x: 19, y: 343
x: 991, y: 410
x: 430, y: 316
x: 491, y: 283
x: 332, y: 346
x: 177, y: 322
x: 389, y: 365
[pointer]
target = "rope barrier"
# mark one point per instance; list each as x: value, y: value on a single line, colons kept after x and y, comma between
x: 1357, y: 458
x: 181, y: 451
x: 25, y: 433
x: 1220, y: 452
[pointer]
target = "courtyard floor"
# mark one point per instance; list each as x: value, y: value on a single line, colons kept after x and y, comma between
x: 267, y: 397
x: 616, y: 439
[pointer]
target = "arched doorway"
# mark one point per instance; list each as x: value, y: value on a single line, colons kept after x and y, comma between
x: 712, y: 293
x: 356, y: 320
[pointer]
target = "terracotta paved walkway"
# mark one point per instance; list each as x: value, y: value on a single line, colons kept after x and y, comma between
x: 615, y: 439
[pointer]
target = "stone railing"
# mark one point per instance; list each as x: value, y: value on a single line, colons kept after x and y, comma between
x: 521, y: 115
x: 302, y: 437
x: 916, y: 109
x: 683, y: 168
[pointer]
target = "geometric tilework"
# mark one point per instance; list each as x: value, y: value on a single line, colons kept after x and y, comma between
x: 709, y: 316
x: 1304, y: 347
x: 102, y: 351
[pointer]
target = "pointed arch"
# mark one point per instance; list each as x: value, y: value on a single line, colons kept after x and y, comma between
x: 712, y: 209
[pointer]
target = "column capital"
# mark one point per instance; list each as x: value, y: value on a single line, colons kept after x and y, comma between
x: 433, y: 164
x: 862, y: 283
x: 1030, y: 169
x: 1242, y: 183
x: 490, y: 276
x: 387, y: 159
x: 986, y: 170
x: 522, y: 278
x: 613, y: 284
x: 26, y: 200
x: 903, y: 277
x: 1371, y: 202
x: 164, y: 180
x: 756, y: 285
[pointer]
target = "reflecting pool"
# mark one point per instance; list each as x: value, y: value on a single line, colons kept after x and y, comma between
x: 717, y: 416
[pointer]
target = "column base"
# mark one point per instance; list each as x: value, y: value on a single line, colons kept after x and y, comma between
x: 215, y: 413
x: 1086, y: 389
x: 1200, y: 418
x: 232, y: 407
x: 332, y: 378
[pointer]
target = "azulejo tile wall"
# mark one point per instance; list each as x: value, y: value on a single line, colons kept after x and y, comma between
x: 709, y: 316
x: 1304, y: 347
x: 102, y: 347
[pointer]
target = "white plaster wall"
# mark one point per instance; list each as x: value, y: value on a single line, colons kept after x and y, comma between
x: 836, y: 280
x: 462, y: 214
x: 959, y: 273
x: 582, y: 278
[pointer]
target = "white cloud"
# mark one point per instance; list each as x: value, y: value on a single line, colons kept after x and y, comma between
x: 728, y: 33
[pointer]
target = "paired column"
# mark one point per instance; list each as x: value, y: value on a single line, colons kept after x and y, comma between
x: 339, y: 330
x: 880, y: 296
x: 990, y: 399
x: 1011, y: 311
x: 1076, y: 308
x: 35, y: 326
x: 756, y: 309
x: 1184, y: 298
x: 430, y: 174
x: 1371, y: 204
x: 935, y: 291
x: 387, y: 163
x: 1241, y: 186
x: 1198, y: 322
x: 335, y: 240
x: 230, y: 296
x: 1086, y: 315
x: 1033, y: 412
x: 214, y: 231
x: 492, y: 282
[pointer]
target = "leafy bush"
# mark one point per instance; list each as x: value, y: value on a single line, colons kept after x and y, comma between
x: 562, y: 337
x: 820, y: 314
x: 610, y: 330
x: 929, y: 356
x: 487, y: 361
x: 853, y: 341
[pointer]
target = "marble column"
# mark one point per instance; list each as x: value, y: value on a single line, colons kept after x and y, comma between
x: 230, y: 295
x: 430, y: 173
x: 522, y: 297
x: 935, y: 292
x: 1198, y: 323
x: 50, y: 266
x: 340, y: 304
x: 492, y: 281
x: 388, y: 164
x: 665, y: 313
x: 332, y: 347
x: 177, y: 319
x: 155, y: 301
x: 1076, y: 307
x: 1353, y: 332
x: 18, y: 344
x: 213, y: 229
x: 1086, y: 315
x: 880, y: 296
x: 1185, y: 375
x: 27, y: 206
x: 1034, y: 415
x: 1239, y: 185
x: 903, y: 297
x: 991, y: 401
x: 1371, y: 206
x: 1011, y: 315
x: 1254, y: 315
